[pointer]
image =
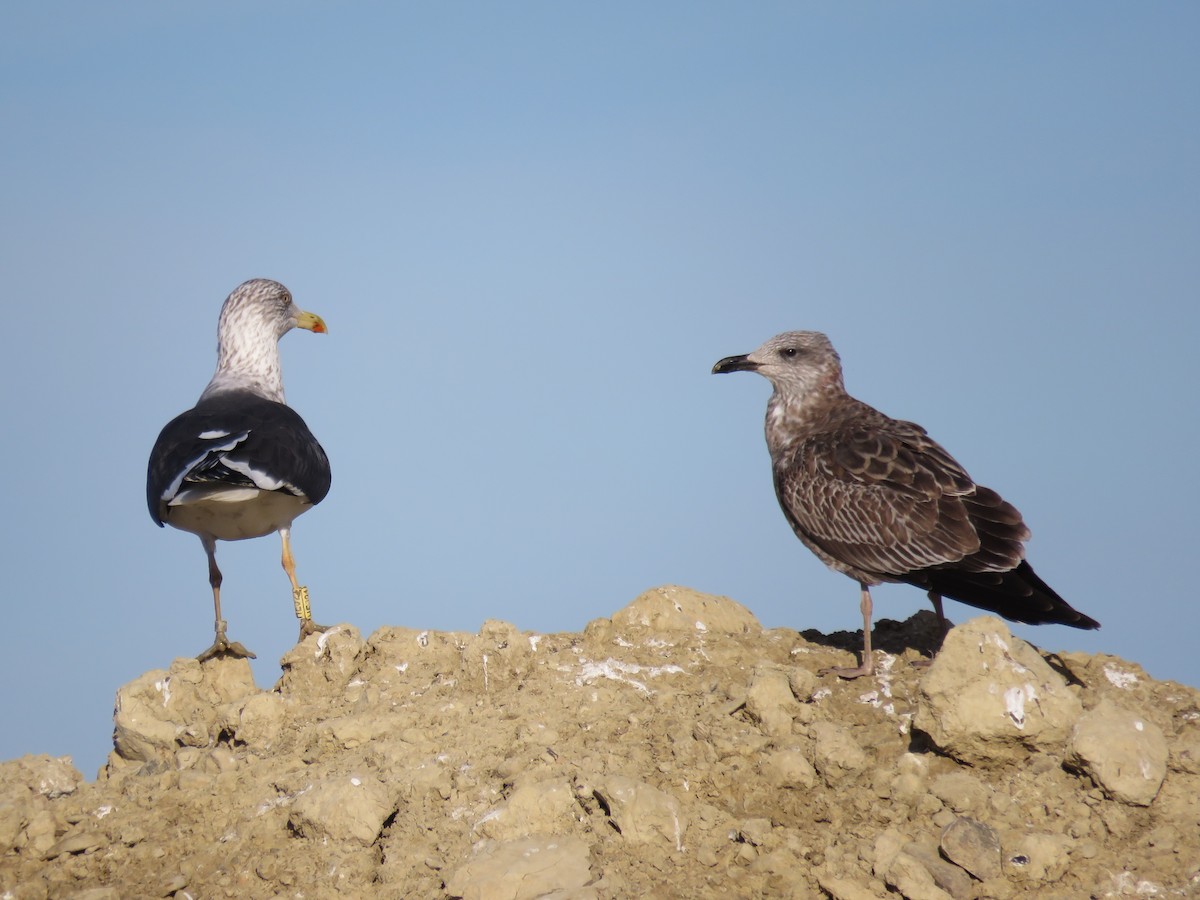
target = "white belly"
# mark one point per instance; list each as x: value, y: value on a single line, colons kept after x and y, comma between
x: 234, y: 514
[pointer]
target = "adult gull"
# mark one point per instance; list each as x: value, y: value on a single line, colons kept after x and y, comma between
x: 241, y: 463
x: 879, y: 500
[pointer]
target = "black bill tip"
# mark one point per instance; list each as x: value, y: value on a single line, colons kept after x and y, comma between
x: 734, y: 364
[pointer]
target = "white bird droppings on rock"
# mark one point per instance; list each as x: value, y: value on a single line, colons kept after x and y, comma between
x: 989, y: 697
x: 481, y: 790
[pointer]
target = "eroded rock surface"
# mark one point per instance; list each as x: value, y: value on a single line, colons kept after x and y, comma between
x: 677, y: 749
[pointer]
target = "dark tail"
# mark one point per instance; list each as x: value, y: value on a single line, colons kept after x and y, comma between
x: 1018, y: 595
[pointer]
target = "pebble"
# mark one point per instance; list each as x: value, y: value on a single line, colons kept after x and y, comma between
x: 974, y: 846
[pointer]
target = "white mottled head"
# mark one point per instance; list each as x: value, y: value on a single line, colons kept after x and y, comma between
x: 255, y: 316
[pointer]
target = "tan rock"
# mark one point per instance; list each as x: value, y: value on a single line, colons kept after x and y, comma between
x: 339, y: 808
x: 258, y: 720
x: 974, y: 846
x: 524, y: 869
x: 642, y: 813
x: 836, y: 754
x: 789, y: 769
x: 673, y: 608
x: 1036, y: 857
x: 769, y: 700
x: 1124, y: 753
x: 542, y: 807
x: 990, y: 698
x: 322, y: 664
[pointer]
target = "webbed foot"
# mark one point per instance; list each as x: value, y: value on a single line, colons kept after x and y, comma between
x: 222, y: 646
x: 308, y: 626
x: 867, y: 668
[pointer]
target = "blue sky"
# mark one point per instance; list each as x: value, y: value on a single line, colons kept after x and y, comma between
x: 532, y: 228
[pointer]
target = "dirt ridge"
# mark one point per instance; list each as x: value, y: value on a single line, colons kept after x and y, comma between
x: 677, y: 749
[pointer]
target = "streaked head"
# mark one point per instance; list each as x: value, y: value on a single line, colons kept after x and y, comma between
x: 255, y: 316
x: 264, y: 307
x: 795, y: 362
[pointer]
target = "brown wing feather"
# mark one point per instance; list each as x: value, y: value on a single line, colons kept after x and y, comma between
x: 880, y: 498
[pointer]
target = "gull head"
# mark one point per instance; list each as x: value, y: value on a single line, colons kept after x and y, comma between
x: 795, y: 362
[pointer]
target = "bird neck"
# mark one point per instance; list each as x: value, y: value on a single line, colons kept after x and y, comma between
x: 793, y: 417
x: 248, y: 365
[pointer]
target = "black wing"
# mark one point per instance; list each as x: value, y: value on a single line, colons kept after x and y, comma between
x: 238, y: 439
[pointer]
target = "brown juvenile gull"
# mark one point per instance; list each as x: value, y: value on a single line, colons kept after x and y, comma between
x: 879, y: 500
x: 241, y: 463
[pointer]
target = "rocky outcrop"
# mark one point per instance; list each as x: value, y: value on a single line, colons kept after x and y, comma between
x: 676, y: 750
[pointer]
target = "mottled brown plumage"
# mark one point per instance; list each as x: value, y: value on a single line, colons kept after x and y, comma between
x: 879, y: 500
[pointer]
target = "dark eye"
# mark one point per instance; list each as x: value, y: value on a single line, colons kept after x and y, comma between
x: 788, y: 352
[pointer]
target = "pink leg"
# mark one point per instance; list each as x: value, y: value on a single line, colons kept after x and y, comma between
x: 868, y: 659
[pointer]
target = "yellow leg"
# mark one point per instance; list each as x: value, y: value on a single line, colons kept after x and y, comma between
x: 299, y: 592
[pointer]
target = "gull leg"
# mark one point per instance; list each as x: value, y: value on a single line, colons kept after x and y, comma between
x: 221, y: 644
x: 943, y: 623
x: 943, y: 629
x: 868, y: 659
x: 299, y: 591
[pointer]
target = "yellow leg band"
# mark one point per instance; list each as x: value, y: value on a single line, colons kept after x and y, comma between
x: 303, y: 607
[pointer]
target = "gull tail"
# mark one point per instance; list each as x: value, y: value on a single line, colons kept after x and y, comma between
x: 1018, y: 595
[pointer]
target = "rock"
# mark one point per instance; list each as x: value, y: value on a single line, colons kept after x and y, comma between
x: 12, y: 820
x: 961, y: 792
x: 845, y: 889
x: 48, y: 776
x: 322, y: 664
x: 803, y: 682
x: 910, y: 781
x: 769, y: 700
x: 542, y: 807
x: 475, y: 777
x: 141, y: 730
x: 888, y: 844
x: 77, y: 842
x: 1185, y: 755
x: 835, y: 752
x: 1036, y: 858
x: 974, y: 846
x: 990, y: 698
x: 788, y: 769
x: 640, y: 812
x: 258, y: 720
x: 349, y: 732
x: 949, y: 878
x: 27, y: 785
x: 38, y: 835
x: 34, y: 889
x: 346, y: 807
x: 164, y: 710
x: 1123, y: 753
x: 524, y: 869
x: 499, y: 654
x: 673, y: 608
x: 756, y: 832
x: 907, y: 875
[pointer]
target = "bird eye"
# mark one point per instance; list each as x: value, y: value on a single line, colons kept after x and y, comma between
x: 788, y: 352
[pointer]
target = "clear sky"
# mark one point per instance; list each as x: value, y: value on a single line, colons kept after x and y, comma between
x: 532, y: 228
